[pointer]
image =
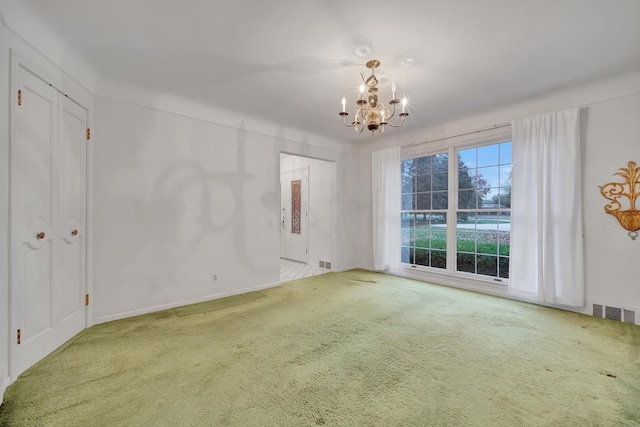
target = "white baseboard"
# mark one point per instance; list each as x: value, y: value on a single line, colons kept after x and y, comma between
x: 146, y: 310
x: 503, y: 291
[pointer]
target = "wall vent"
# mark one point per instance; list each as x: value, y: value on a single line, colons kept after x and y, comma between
x: 327, y: 265
x: 321, y: 263
x: 613, y: 313
x: 597, y: 310
x: 629, y: 316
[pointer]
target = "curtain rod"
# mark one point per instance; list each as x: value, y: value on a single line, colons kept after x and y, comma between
x: 492, y: 127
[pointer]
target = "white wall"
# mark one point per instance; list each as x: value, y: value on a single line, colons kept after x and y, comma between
x: 323, y: 197
x: 179, y: 199
x: 610, y: 113
x: 611, y: 138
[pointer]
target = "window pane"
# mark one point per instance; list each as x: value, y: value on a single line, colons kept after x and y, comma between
x: 487, y: 265
x: 422, y: 237
x: 440, y: 200
x: 505, y: 175
x: 466, y: 178
x: 466, y: 263
x: 488, y: 177
x: 503, y: 270
x: 440, y: 181
x: 407, y: 220
x: 404, y: 256
x: 489, y: 198
x: 468, y: 157
x: 488, y: 155
x: 406, y: 237
x: 421, y: 257
x: 423, y: 183
x: 467, y: 199
x: 504, y: 235
x: 438, y: 259
x: 440, y: 163
x: 408, y: 184
x: 505, y: 199
x: 422, y: 165
x: 423, y: 201
x: 407, y: 202
x: 408, y: 167
x: 505, y: 153
x: 487, y: 242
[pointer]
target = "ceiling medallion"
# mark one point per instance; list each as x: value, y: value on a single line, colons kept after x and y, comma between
x: 370, y: 113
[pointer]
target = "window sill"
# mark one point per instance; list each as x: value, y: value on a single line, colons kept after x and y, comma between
x: 461, y: 281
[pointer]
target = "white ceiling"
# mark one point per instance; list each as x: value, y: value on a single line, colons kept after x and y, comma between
x: 291, y: 61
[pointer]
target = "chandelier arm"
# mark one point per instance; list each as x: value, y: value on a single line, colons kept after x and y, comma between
x: 402, y: 115
x: 347, y: 124
x: 393, y: 113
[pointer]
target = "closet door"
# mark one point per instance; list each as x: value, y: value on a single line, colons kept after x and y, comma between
x: 33, y: 191
x: 72, y: 156
x: 48, y: 188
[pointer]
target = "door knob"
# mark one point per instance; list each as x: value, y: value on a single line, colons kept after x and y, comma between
x: 41, y: 235
x: 74, y: 233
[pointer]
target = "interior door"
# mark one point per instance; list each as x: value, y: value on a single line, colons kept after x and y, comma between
x: 72, y: 197
x: 48, y: 187
x: 295, y: 219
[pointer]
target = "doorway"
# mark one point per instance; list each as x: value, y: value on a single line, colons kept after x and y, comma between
x: 307, y: 216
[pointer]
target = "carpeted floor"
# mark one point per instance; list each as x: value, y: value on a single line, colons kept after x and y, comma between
x: 342, y: 349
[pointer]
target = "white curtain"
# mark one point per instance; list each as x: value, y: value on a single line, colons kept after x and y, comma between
x: 546, y: 208
x: 385, y: 197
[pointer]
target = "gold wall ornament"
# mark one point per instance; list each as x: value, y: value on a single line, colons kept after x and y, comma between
x: 630, y: 218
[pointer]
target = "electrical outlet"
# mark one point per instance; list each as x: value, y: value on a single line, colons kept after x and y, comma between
x: 214, y: 278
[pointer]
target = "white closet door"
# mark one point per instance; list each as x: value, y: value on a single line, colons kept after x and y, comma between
x: 72, y: 204
x: 48, y: 188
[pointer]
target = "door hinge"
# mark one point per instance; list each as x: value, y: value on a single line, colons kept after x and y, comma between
x: 86, y: 299
x: 20, y: 97
x: 18, y: 336
x: 88, y: 133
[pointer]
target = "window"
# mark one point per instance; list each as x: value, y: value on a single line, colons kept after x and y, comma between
x: 456, y: 215
x: 425, y: 200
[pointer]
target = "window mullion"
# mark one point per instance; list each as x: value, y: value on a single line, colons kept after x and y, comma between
x: 451, y: 212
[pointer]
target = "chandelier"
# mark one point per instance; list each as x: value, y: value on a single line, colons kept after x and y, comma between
x: 370, y: 113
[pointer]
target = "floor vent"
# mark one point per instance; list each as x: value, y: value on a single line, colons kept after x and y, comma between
x: 629, y: 316
x: 597, y: 310
x: 614, y: 313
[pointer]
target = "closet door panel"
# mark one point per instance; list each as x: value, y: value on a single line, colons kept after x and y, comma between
x: 72, y: 201
x: 33, y: 221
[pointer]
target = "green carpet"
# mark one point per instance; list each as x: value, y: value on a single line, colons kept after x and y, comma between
x: 342, y: 349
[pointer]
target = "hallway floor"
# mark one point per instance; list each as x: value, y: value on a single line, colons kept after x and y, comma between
x: 293, y: 270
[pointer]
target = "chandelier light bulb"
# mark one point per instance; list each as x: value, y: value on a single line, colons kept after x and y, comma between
x: 371, y: 112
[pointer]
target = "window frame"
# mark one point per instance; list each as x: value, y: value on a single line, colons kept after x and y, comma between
x: 451, y: 146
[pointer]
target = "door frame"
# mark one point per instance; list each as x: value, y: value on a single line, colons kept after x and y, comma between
x: 305, y: 221
x: 333, y: 201
x: 68, y: 86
